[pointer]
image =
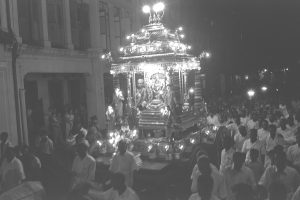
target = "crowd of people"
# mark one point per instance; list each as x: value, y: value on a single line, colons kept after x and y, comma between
x: 258, y: 158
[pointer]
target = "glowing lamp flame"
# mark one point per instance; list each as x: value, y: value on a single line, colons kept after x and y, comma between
x: 99, y: 143
x: 180, y: 28
x: 121, y: 49
x: 192, y: 141
x: 181, y: 147
x: 134, y: 133
x: 150, y: 147
x: 146, y: 9
x: 103, y: 57
x: 191, y: 90
x: 110, y: 110
x: 251, y: 93
x: 182, y: 36
x: 158, y: 7
x: 111, y: 141
x: 264, y: 88
x: 167, y: 147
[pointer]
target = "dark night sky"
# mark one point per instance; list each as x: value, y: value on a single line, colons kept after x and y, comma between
x: 244, y: 36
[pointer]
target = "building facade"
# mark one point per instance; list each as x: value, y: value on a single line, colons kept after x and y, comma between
x: 59, y: 61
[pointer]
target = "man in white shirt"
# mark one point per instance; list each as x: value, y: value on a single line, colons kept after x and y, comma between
x: 252, y: 123
x: 12, y: 172
x: 254, y: 143
x: 84, y: 165
x: 238, y: 173
x: 205, y: 187
x: 203, y: 166
x: 296, y: 195
x: 263, y: 132
x: 227, y: 154
x: 124, y: 162
x: 119, y: 190
x: 281, y: 172
x: 293, y: 153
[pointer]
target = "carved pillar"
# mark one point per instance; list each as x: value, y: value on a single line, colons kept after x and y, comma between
x: 198, y: 90
x: 176, y: 85
x: 116, y: 81
x: 129, y: 94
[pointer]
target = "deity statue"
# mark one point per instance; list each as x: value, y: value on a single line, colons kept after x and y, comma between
x: 157, y: 86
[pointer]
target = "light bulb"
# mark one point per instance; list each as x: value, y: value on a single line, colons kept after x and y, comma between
x: 158, y: 7
x: 251, y: 93
x: 146, y: 9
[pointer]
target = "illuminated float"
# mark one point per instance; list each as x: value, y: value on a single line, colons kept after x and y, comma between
x: 163, y: 91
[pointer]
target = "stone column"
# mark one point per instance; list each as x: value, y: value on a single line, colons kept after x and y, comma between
x: 3, y: 22
x: 43, y: 93
x: 67, y: 24
x: 46, y: 41
x: 14, y: 19
x: 23, y: 111
x: 95, y: 93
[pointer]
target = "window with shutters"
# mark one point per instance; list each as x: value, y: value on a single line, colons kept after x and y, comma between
x: 30, y: 25
x: 104, y: 24
x: 80, y: 24
x: 55, y: 23
x: 117, y: 23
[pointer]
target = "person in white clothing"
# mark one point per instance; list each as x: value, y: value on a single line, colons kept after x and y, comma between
x: 293, y: 153
x: 240, y: 138
x: 203, y: 166
x: 119, y: 190
x: 84, y: 165
x: 254, y: 143
x: 124, y: 162
x: 252, y: 123
x: 263, y: 132
x: 227, y: 154
x: 11, y: 171
x: 296, y: 195
x: 205, y: 187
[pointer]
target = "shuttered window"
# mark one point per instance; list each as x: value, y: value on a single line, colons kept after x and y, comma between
x: 80, y: 24
x: 55, y: 23
x: 30, y: 25
x: 117, y: 23
x: 104, y: 24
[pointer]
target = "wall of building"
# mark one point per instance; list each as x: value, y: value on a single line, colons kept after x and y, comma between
x: 44, y: 57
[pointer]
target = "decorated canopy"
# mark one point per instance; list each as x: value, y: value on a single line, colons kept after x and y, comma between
x: 155, y: 47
